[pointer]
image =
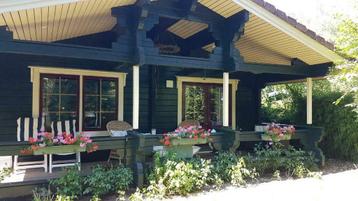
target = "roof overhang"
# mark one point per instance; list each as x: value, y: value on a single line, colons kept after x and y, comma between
x: 285, y: 41
x: 280, y: 24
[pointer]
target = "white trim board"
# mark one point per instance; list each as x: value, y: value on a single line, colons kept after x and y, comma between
x: 234, y: 84
x: 288, y: 29
x: 35, y: 79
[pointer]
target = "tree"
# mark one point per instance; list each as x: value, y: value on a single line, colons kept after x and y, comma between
x: 344, y: 76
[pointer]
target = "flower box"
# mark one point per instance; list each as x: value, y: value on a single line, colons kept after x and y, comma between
x: 60, y: 149
x: 266, y: 137
x: 187, y: 141
x: 183, y: 147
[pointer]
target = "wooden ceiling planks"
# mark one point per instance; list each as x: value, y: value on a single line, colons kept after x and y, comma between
x: 185, y: 28
x: 62, y: 21
x: 261, y: 41
x: 269, y: 41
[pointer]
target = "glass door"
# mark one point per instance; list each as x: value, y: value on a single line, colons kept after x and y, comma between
x: 203, y: 102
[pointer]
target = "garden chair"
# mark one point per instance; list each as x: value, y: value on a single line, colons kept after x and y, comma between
x: 29, y: 127
x: 118, y: 129
x: 58, y: 127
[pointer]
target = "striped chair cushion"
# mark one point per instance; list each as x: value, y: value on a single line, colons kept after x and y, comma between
x: 29, y: 127
x: 68, y: 126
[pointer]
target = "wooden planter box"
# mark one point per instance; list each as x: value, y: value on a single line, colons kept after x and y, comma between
x: 265, y: 137
x: 184, y: 147
x: 188, y: 141
x: 61, y: 149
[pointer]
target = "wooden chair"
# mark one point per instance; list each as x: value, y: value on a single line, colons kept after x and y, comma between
x: 29, y: 127
x: 117, y: 126
x: 58, y: 127
x: 189, y: 122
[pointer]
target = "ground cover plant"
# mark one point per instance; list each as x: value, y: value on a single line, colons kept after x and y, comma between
x: 101, y: 181
x: 171, y: 176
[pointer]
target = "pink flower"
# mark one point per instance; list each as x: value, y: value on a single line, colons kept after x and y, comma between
x: 82, y: 145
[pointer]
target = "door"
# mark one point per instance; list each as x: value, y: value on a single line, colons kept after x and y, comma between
x: 203, y: 102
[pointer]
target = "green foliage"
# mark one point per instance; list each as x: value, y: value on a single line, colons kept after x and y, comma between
x: 276, y: 159
x: 344, y: 77
x: 222, y: 165
x: 42, y: 194
x: 5, y: 172
x: 71, y: 184
x: 171, y: 176
x: 103, y: 180
x: 239, y: 173
x: 338, y: 119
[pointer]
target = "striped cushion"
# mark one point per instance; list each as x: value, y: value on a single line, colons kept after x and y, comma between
x: 68, y: 126
x: 29, y: 127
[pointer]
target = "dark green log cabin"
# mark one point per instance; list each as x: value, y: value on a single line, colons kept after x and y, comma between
x: 178, y: 46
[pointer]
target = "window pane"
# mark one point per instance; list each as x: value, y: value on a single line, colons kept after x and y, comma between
x: 68, y: 103
x: 59, y: 98
x: 68, y: 86
x: 100, y: 102
x: 109, y: 103
x: 50, y: 85
x: 68, y: 115
x: 91, y: 86
x: 92, y: 120
x: 194, y: 103
x: 216, y: 104
x: 91, y: 103
x: 50, y: 103
x: 109, y: 87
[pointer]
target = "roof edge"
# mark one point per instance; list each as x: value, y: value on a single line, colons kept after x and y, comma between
x: 290, y: 26
x: 15, y: 5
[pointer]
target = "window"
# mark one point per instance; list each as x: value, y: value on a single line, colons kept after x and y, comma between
x: 203, y: 102
x: 100, y: 102
x: 59, y: 98
x: 93, y: 98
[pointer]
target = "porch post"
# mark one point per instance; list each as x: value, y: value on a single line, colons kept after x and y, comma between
x: 226, y: 99
x: 309, y: 101
x: 135, y: 120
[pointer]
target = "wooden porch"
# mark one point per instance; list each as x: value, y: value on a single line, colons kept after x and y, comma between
x: 137, y: 152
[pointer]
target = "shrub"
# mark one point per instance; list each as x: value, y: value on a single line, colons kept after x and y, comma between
x: 239, y: 173
x: 275, y: 159
x: 71, y: 184
x: 42, y: 194
x: 222, y: 164
x: 171, y: 176
x: 338, y: 118
x: 105, y: 180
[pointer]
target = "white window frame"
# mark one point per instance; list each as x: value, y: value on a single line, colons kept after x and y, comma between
x: 233, y: 82
x: 36, y: 71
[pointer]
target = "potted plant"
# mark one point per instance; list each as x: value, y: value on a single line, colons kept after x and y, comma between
x: 181, y: 141
x: 45, y: 143
x: 275, y: 132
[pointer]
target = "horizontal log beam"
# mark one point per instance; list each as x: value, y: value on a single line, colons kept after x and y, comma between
x: 308, y: 70
x: 62, y: 50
